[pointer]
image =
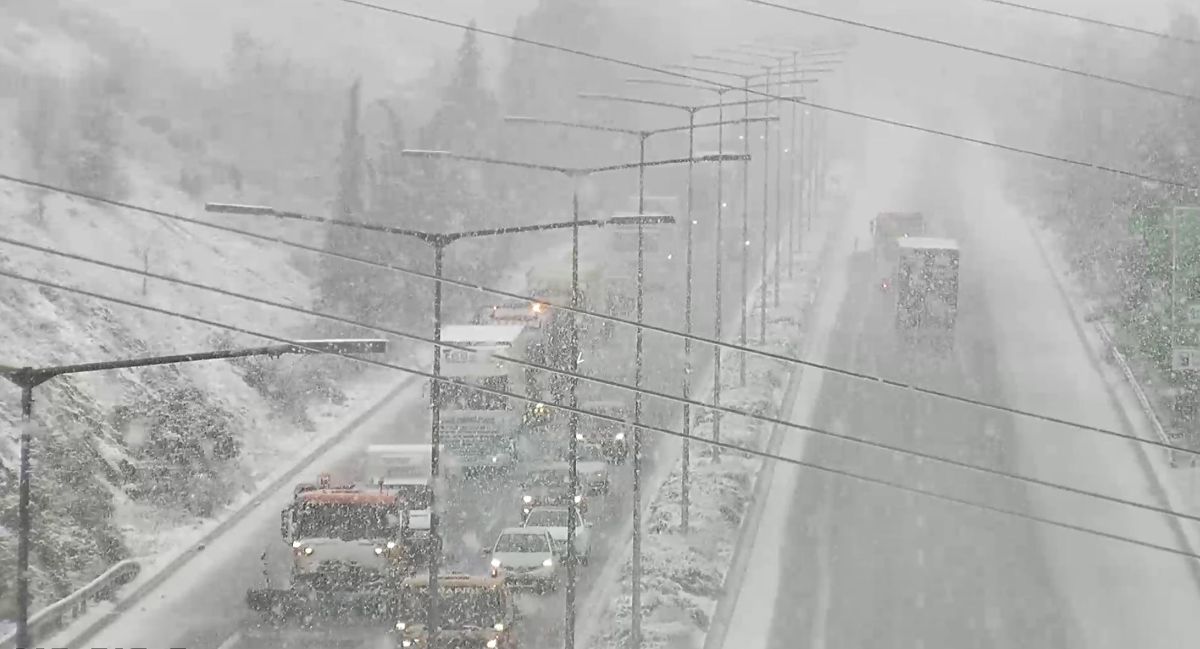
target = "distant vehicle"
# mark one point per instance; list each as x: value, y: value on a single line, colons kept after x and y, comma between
x: 480, y: 429
x: 524, y: 556
x: 472, y: 612
x: 927, y: 284
x: 547, y: 484
x: 888, y: 229
x: 346, y: 538
x: 610, y: 437
x: 592, y: 469
x: 555, y: 519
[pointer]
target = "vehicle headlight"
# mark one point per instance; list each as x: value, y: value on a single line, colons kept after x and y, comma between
x: 548, y: 563
x: 308, y: 550
x: 620, y: 437
x: 527, y: 499
x: 296, y: 545
x: 491, y: 644
x: 391, y: 545
x: 578, y: 499
x: 495, y: 459
x: 495, y: 563
x: 406, y: 643
x: 378, y: 551
x: 499, y: 626
x: 579, y: 436
x: 400, y: 626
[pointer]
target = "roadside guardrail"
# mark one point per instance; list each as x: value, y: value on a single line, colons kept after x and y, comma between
x: 56, y: 616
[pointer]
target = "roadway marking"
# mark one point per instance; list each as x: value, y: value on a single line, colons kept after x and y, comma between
x: 232, y: 641
x: 824, y: 578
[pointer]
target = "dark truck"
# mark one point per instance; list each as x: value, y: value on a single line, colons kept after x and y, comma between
x: 887, y: 230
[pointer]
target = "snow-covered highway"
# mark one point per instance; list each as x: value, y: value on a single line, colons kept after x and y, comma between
x: 865, y: 565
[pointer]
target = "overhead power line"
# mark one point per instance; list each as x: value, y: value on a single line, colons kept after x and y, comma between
x: 1095, y: 21
x: 979, y: 50
x: 862, y: 441
x: 605, y: 317
x: 759, y: 93
x: 643, y: 426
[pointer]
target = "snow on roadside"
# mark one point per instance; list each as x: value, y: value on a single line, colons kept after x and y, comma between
x: 683, y: 575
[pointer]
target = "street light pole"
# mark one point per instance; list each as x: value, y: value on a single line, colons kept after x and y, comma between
x: 28, y: 378
x: 573, y: 173
x: 438, y: 241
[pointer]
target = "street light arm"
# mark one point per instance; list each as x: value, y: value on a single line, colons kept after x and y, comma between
x: 230, y: 208
x: 422, y: 153
x: 635, y: 100
x: 722, y: 59
x: 474, y: 234
x: 709, y: 85
x: 30, y: 377
x: 725, y: 157
x: 578, y: 125
x: 694, y: 68
x: 727, y: 122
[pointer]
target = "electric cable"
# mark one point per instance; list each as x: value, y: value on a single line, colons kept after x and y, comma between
x: 978, y: 50
x: 643, y: 426
x: 613, y: 319
x: 1095, y: 21
x: 831, y: 109
x: 862, y: 441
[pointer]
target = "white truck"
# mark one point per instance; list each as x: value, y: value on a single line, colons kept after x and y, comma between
x: 479, y: 430
x: 927, y: 284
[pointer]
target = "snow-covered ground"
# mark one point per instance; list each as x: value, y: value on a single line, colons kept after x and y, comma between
x: 684, y: 575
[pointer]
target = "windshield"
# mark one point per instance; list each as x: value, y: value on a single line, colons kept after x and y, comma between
x: 458, y: 608
x: 452, y: 396
x: 522, y: 543
x: 347, y: 522
x: 547, y: 518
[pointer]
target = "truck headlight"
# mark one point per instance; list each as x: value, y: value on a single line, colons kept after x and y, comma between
x: 406, y: 643
x: 308, y: 550
x: 391, y: 545
x: 527, y: 499
x: 578, y: 499
x: 296, y: 545
x: 400, y: 626
x: 620, y: 437
x: 548, y: 563
x: 491, y: 644
x: 378, y: 551
x: 495, y: 563
x: 499, y: 626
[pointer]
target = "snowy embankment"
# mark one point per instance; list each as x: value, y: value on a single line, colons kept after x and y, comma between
x: 1136, y: 385
x: 684, y: 575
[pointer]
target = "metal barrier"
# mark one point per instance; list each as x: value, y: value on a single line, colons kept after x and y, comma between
x: 1147, y: 406
x: 58, y: 615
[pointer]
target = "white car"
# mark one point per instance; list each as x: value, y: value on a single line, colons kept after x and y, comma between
x: 554, y: 519
x: 525, y: 556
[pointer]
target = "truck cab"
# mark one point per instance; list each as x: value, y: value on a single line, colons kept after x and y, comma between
x: 348, y: 539
x: 888, y: 229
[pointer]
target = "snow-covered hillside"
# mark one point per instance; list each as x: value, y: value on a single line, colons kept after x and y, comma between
x: 123, y: 458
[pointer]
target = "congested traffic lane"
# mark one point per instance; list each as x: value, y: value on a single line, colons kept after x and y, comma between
x: 204, y: 604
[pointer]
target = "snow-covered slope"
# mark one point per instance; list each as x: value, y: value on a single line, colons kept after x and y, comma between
x: 124, y: 457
